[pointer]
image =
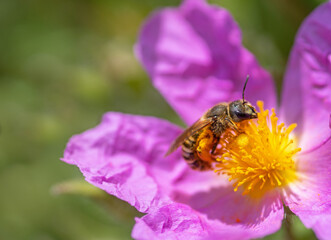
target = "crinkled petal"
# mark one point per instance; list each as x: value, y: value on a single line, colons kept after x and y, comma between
x: 310, y: 196
x: 123, y: 155
x: 179, y: 221
x: 306, y: 98
x: 195, y: 58
x: 173, y: 221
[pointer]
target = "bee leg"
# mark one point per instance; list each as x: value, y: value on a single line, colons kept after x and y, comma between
x: 234, y: 127
x: 200, y: 165
x: 215, y: 143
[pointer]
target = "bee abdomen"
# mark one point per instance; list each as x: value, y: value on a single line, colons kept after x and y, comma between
x: 188, y: 147
x: 190, y: 156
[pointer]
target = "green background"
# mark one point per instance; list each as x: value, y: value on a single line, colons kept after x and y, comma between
x: 63, y: 63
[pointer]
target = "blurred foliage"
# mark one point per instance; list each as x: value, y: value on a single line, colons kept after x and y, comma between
x: 63, y: 64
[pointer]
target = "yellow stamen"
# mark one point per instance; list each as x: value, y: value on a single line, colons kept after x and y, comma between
x: 260, y: 157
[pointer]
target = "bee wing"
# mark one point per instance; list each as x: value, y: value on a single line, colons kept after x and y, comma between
x: 198, y: 125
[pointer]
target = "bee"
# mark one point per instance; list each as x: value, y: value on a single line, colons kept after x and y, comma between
x: 209, y: 128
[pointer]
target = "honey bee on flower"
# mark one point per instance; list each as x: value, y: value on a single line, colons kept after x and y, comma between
x: 195, y: 58
x: 200, y: 141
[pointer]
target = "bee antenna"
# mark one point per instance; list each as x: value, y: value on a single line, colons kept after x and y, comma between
x: 244, y: 89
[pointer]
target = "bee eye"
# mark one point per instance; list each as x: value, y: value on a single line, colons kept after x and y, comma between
x: 243, y: 115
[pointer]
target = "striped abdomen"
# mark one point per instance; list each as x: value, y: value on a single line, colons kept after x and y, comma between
x: 190, y: 154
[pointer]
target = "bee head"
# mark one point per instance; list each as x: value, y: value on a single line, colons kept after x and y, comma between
x: 241, y: 110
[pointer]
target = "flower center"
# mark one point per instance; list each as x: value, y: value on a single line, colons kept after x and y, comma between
x: 260, y: 157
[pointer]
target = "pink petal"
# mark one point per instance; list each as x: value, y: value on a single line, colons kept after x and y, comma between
x: 178, y: 221
x: 195, y: 58
x: 123, y: 155
x: 190, y: 182
x: 320, y: 223
x: 306, y: 97
x: 225, y: 205
x: 170, y: 222
x: 310, y: 196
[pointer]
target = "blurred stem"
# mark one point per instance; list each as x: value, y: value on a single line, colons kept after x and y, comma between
x: 295, y: 10
x: 287, y: 224
x: 116, y: 207
x: 79, y: 187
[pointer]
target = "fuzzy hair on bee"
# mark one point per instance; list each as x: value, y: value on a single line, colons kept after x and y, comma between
x: 209, y: 129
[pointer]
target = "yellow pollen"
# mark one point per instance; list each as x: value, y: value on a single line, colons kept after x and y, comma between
x: 261, y: 157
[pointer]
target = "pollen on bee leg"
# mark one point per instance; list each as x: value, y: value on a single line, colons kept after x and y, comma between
x: 204, y: 145
x: 261, y: 157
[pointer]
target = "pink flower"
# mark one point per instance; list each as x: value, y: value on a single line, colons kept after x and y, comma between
x: 195, y: 58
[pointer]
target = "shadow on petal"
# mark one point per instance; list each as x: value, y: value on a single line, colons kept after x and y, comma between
x: 223, y: 204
